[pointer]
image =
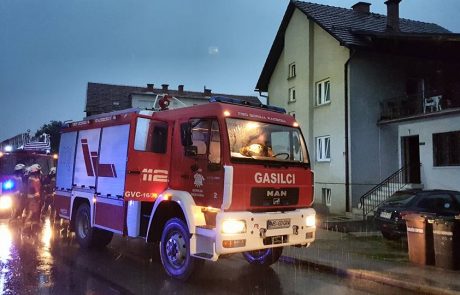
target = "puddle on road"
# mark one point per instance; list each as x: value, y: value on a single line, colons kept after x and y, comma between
x: 28, y: 263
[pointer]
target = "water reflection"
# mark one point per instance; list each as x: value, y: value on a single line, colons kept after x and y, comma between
x: 47, y: 234
x: 5, y: 254
x: 26, y: 260
x: 45, y: 258
x: 5, y: 243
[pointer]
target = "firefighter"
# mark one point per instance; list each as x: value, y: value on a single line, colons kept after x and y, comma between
x: 258, y: 145
x: 49, y: 183
x: 19, y: 190
x: 33, y: 196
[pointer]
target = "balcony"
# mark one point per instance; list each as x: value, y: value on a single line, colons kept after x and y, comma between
x: 407, y: 106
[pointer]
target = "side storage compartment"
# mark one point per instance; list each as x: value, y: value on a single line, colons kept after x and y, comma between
x: 64, y: 176
x: 110, y: 168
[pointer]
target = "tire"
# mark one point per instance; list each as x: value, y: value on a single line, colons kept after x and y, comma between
x: 87, y: 236
x: 264, y: 257
x: 175, y: 250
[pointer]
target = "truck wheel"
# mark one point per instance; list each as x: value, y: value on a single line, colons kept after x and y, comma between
x: 263, y: 257
x: 87, y: 236
x: 175, y: 250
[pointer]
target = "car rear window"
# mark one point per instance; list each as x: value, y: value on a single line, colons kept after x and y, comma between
x: 435, y: 202
x: 399, y: 199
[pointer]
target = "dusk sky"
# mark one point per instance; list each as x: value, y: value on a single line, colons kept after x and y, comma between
x: 51, y: 49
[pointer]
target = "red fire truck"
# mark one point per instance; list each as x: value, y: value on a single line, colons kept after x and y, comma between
x: 219, y: 178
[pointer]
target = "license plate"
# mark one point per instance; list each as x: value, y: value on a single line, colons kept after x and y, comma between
x: 278, y: 223
x: 386, y: 215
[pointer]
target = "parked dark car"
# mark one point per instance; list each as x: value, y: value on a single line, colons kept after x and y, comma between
x: 389, y: 215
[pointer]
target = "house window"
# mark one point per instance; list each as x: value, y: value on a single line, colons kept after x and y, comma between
x: 292, y: 94
x: 323, y: 149
x: 323, y: 95
x: 291, y: 71
x: 446, y: 149
x: 326, y: 196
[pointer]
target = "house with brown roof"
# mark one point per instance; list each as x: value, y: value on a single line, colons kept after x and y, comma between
x: 103, y: 98
x: 377, y: 96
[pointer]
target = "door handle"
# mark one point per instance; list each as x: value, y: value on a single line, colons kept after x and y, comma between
x: 134, y: 172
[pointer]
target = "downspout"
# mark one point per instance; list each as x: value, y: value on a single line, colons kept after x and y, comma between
x: 347, y: 156
x: 266, y: 96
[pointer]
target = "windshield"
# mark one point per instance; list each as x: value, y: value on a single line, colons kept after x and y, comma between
x: 399, y: 199
x: 265, y: 141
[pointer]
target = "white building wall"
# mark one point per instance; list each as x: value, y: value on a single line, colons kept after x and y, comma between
x: 317, y: 56
x: 433, y: 177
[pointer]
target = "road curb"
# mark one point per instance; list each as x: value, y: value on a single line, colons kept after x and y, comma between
x: 371, y: 276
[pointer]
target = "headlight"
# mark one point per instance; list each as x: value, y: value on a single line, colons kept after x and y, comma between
x: 310, y: 220
x: 6, y: 202
x: 232, y: 226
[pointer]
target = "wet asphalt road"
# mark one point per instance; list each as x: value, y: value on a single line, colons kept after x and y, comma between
x: 51, y: 262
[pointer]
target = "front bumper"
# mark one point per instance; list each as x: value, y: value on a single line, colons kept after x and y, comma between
x: 257, y: 236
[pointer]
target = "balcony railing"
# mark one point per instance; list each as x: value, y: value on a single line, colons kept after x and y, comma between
x: 413, y: 105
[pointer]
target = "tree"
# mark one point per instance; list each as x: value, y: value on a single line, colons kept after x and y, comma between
x: 53, y: 128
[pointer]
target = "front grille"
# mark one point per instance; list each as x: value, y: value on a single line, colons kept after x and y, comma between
x: 275, y: 240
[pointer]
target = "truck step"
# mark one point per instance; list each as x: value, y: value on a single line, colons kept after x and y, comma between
x: 206, y: 226
x: 205, y: 231
x: 204, y: 255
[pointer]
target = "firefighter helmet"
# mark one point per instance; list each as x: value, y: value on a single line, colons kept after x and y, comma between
x: 35, y: 168
x: 52, y: 171
x: 19, y: 167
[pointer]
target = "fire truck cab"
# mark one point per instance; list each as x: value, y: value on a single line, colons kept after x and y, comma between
x: 220, y: 178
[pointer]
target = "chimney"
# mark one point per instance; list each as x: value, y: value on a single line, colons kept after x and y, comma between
x: 392, y: 15
x: 207, y: 92
x: 150, y: 87
x: 180, y: 88
x: 164, y: 87
x: 362, y: 7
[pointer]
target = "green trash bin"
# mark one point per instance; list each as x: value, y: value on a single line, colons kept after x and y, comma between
x: 446, y: 235
x: 420, y: 239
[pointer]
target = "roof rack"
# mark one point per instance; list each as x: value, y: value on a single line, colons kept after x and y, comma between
x: 237, y: 101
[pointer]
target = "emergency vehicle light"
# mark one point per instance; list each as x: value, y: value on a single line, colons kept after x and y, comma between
x: 224, y: 99
x: 7, y: 185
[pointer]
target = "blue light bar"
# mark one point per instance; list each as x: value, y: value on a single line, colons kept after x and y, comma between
x: 7, y: 185
x: 237, y: 101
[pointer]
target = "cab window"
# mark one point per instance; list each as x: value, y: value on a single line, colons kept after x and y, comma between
x: 206, y: 138
x: 151, y: 136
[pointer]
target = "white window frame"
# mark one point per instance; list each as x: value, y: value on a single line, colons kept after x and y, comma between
x: 323, y: 92
x: 326, y: 196
x: 291, y: 70
x: 292, y: 94
x: 323, y: 148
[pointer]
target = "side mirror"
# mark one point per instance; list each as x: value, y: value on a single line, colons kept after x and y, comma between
x: 186, y: 134
x: 191, y: 150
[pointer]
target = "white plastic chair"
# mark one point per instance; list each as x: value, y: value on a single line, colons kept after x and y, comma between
x: 433, y: 102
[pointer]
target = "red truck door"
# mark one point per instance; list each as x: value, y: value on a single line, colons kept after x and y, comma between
x: 148, y: 161
x: 201, y: 172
